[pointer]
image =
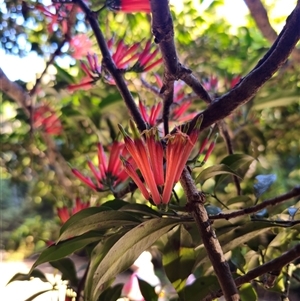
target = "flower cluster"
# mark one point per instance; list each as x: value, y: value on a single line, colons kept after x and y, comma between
x: 160, y: 167
x: 46, y: 118
x: 129, y: 6
x: 109, y: 172
x: 64, y: 213
x: 123, y: 57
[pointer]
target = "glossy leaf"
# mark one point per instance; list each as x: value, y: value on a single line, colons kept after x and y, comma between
x: 147, y: 290
x: 112, y: 293
x: 213, y: 171
x: 126, y: 250
x: 26, y: 277
x: 99, y: 221
x: 67, y: 247
x: 178, y: 256
x: 237, y: 162
x: 247, y: 292
x: 200, y: 288
x: 31, y: 298
x: 98, y: 253
x: 67, y: 268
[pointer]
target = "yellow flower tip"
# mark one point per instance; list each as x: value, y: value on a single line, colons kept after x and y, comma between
x: 122, y: 130
x: 199, y: 120
x: 134, y: 129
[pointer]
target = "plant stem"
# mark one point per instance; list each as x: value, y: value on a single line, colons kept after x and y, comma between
x: 196, y: 202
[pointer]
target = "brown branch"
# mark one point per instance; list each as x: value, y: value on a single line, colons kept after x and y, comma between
x: 196, y: 202
x: 22, y: 98
x: 260, y: 16
x: 162, y: 28
x: 226, y: 137
x: 271, y: 202
x: 109, y: 65
x: 15, y: 92
x: 224, y: 105
x: 275, y: 264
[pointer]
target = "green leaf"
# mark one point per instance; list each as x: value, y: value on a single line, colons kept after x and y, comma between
x: 127, y: 249
x: 200, y: 288
x: 238, y: 163
x: 234, y: 237
x: 142, y: 209
x: 26, y: 277
x: 67, y: 269
x: 147, y: 290
x: 178, y: 256
x: 247, y: 292
x: 67, y: 247
x: 74, y: 219
x: 213, y: 171
x: 112, y: 293
x: 98, y: 253
x: 38, y: 294
x: 263, y: 184
x: 238, y: 259
x: 98, y: 221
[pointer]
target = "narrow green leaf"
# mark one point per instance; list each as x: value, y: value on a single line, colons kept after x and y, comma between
x: 112, y: 293
x: 67, y: 268
x: 247, y: 292
x: 147, y: 290
x: 82, y: 214
x: 126, y: 250
x: 26, y: 277
x: 200, y: 288
x: 178, y: 256
x: 213, y: 171
x: 238, y: 163
x: 99, y: 221
x: 67, y: 247
x: 98, y: 253
x: 38, y: 294
x: 141, y: 209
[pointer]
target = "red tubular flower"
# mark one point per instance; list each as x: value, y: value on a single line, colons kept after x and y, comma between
x: 46, y: 118
x: 151, y: 118
x: 64, y: 213
x: 180, y: 106
x: 80, y: 45
x: 148, y: 154
x: 109, y: 172
x: 129, y: 6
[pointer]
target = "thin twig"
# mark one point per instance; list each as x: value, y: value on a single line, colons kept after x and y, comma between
x: 271, y: 202
x: 109, y: 64
x: 275, y: 264
x: 225, y: 135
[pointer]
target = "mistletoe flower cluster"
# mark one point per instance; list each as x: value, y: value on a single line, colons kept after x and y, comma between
x: 123, y: 56
x: 109, y: 172
x: 160, y: 167
x: 46, y: 118
x: 64, y: 213
x: 129, y: 6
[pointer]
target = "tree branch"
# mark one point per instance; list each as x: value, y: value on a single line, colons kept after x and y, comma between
x: 109, y: 64
x: 196, y: 202
x: 276, y: 56
x: 275, y: 264
x: 22, y: 98
x: 271, y: 202
x: 260, y: 16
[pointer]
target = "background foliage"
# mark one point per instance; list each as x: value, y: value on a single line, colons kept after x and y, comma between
x: 266, y: 128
